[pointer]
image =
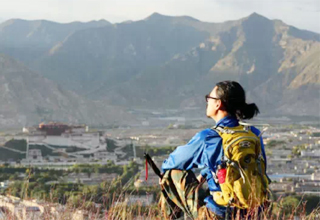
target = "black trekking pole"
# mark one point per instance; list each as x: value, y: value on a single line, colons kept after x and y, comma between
x: 153, y: 165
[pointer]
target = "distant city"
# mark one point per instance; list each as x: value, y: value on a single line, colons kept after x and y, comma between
x: 292, y: 150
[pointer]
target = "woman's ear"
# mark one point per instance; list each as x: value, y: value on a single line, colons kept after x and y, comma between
x: 219, y: 105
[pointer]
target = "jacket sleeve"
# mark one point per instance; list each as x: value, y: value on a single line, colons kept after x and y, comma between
x: 212, y: 157
x: 187, y: 156
x: 213, y: 152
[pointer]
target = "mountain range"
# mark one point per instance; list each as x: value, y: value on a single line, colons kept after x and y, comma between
x: 168, y: 62
x: 27, y: 97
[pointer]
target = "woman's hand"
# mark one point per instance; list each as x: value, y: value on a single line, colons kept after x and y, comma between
x: 201, y: 179
x: 160, y: 183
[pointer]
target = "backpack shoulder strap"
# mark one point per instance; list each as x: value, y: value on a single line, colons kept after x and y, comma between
x: 222, y: 130
x: 231, y: 130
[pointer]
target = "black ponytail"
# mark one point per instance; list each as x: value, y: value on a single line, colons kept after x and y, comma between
x: 233, y: 98
x: 247, y: 111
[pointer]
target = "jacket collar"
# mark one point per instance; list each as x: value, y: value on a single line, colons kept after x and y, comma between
x: 228, y: 121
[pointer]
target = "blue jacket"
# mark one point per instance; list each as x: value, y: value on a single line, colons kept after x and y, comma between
x: 204, y: 150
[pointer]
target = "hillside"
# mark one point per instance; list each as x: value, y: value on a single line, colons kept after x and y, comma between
x: 27, y: 98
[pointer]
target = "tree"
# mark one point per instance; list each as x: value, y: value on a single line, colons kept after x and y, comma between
x: 289, y: 204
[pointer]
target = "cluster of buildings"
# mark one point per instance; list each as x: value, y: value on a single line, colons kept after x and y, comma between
x: 57, y: 144
x: 294, y: 160
x: 293, y: 156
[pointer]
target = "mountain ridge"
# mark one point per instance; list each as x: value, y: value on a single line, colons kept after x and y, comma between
x: 171, y: 61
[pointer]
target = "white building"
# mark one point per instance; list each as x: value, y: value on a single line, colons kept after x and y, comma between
x: 5, y: 184
x: 314, y: 153
x: 105, y: 156
x: 277, y: 154
x: 35, y: 155
x: 315, y: 176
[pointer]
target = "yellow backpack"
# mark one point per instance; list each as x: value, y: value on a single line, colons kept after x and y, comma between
x: 245, y: 184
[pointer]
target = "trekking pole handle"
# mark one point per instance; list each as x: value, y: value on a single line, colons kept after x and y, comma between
x: 153, y: 165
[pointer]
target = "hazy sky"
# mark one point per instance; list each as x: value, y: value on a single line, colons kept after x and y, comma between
x: 303, y: 14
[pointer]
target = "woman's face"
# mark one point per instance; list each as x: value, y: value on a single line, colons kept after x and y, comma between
x: 213, y: 104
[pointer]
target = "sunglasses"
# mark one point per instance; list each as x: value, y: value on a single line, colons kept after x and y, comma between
x: 209, y: 97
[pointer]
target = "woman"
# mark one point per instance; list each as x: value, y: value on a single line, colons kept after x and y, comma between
x: 226, y: 105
